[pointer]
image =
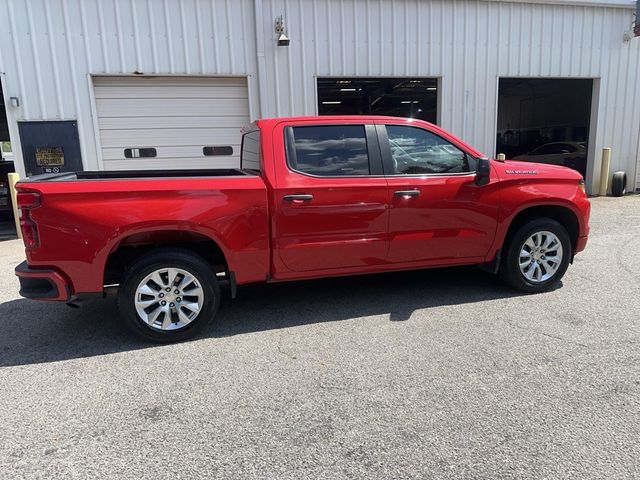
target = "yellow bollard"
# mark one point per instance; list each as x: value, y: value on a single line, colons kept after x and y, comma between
x: 13, y: 179
x: 604, y: 171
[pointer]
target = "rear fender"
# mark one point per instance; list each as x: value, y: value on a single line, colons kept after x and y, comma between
x: 174, y: 232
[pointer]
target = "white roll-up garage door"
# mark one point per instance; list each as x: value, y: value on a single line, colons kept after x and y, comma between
x: 170, y: 122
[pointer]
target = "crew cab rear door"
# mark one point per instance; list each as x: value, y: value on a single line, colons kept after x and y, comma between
x: 331, y: 198
x: 437, y: 213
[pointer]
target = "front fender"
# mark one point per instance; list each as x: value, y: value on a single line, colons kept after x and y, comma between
x: 517, y: 196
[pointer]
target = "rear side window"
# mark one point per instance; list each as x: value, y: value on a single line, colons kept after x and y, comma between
x: 417, y: 151
x: 250, y: 152
x: 328, y: 150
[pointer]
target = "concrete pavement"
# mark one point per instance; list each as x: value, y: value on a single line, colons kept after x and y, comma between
x: 433, y: 374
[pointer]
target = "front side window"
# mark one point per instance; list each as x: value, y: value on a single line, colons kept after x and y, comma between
x: 328, y: 150
x: 416, y: 151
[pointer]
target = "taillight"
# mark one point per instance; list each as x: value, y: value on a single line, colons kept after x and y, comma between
x: 29, y: 233
x: 27, y: 201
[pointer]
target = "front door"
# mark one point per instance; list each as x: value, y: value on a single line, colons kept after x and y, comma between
x: 331, y: 199
x: 437, y: 212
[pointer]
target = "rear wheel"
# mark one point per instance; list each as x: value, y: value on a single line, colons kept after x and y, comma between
x: 537, y: 256
x: 168, y: 295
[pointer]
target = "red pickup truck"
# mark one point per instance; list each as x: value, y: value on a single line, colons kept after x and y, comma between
x: 313, y: 197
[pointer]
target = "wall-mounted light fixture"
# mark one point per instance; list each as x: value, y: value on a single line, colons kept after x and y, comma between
x: 14, y: 101
x: 283, y: 40
x: 627, y: 36
x: 634, y: 30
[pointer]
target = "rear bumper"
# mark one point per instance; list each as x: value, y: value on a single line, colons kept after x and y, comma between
x: 42, y: 284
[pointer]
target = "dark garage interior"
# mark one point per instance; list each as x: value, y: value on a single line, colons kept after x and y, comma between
x: 545, y: 120
x: 398, y: 97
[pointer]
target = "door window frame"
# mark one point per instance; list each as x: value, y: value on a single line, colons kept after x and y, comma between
x: 387, y: 156
x: 374, y: 151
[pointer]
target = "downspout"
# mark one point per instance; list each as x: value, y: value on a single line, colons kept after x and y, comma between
x: 636, y: 170
x: 262, y: 66
x: 636, y: 31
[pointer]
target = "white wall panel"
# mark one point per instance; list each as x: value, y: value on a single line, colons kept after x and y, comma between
x: 177, y: 116
x: 469, y: 45
x: 48, y: 48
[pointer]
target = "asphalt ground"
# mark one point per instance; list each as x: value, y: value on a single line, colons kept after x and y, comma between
x: 431, y: 374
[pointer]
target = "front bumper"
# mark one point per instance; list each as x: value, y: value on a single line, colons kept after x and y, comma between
x: 42, y: 284
x: 581, y: 243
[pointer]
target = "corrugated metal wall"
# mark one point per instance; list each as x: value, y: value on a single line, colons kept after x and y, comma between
x: 468, y: 44
x: 48, y: 48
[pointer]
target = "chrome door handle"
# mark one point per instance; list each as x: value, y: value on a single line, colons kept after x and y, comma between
x: 300, y: 197
x: 407, y: 193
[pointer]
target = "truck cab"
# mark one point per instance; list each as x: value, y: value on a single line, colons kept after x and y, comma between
x: 357, y: 194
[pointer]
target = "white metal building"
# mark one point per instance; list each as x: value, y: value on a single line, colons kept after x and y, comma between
x: 169, y: 83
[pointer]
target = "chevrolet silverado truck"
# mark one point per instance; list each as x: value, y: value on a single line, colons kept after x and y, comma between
x: 313, y: 197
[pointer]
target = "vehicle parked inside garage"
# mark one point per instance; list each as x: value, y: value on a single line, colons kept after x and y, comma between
x: 313, y: 197
x: 568, y: 154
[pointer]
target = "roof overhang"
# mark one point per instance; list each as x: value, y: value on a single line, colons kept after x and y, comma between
x: 630, y: 4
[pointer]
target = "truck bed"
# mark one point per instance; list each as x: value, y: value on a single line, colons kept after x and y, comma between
x: 135, y: 174
x: 84, y: 216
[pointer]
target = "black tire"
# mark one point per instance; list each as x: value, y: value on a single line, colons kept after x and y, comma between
x: 619, y: 184
x: 168, y: 258
x: 510, y: 272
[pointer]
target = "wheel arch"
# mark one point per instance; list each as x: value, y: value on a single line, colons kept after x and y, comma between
x: 134, y: 244
x: 564, y: 215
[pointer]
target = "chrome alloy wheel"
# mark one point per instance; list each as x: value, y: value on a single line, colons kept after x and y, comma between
x: 169, y: 299
x: 540, y: 256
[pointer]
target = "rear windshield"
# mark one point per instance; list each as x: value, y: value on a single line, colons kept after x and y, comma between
x: 250, y: 157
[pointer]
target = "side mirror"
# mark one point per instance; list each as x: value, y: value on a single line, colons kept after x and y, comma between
x: 483, y: 170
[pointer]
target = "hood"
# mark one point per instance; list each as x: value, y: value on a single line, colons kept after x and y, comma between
x: 514, y: 169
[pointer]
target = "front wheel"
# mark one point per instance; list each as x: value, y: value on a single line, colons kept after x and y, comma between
x: 168, y: 295
x: 537, y: 256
